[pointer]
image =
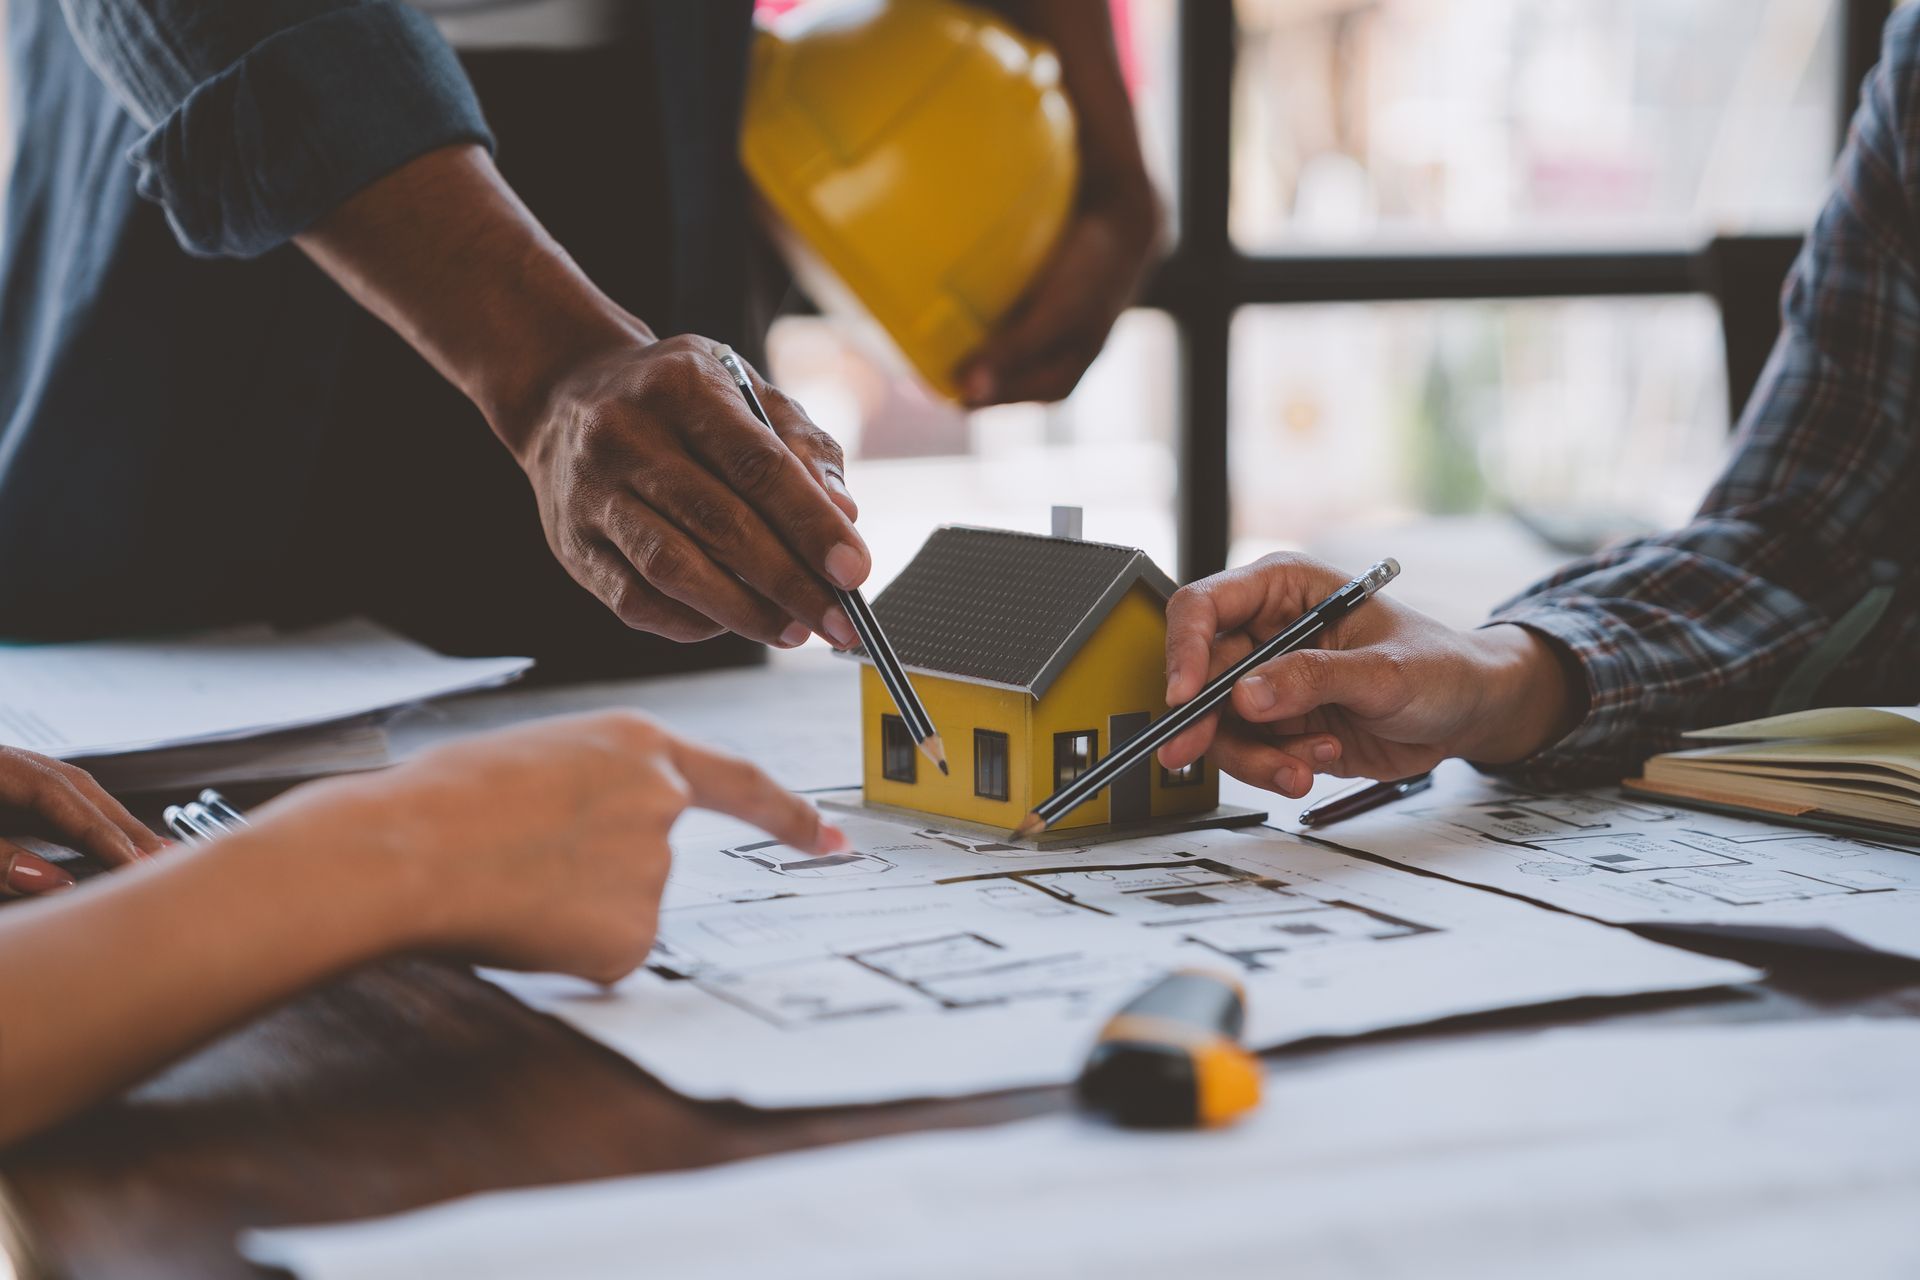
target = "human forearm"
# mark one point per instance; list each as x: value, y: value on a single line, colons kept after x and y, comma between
x: 443, y: 251
x: 1081, y: 32
x: 659, y: 490
x: 1041, y: 348
x: 138, y: 968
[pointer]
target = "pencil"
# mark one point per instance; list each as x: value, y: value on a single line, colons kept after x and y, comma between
x: 1160, y: 732
x: 892, y: 674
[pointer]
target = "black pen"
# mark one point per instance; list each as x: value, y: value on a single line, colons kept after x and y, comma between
x: 1150, y: 739
x: 1356, y: 801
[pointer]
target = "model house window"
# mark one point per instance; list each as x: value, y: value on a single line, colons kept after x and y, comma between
x: 990, y: 764
x: 897, y: 751
x: 1191, y: 776
x: 1073, y: 755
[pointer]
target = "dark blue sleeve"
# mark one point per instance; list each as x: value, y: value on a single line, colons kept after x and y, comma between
x: 263, y: 115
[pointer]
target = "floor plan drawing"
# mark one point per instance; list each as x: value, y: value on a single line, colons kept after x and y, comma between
x: 1616, y: 858
x: 920, y: 963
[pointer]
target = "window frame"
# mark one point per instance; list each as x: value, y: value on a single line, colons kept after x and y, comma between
x: 1207, y: 279
x: 890, y: 742
x: 993, y: 738
x: 1191, y: 776
x: 1061, y: 740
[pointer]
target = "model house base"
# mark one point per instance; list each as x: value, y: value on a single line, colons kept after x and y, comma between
x: 853, y: 800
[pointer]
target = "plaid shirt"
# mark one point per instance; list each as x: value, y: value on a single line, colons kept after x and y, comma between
x: 1703, y: 625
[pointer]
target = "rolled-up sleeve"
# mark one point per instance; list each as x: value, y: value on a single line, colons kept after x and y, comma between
x: 263, y: 115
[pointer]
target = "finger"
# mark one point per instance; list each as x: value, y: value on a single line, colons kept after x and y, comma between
x: 756, y: 463
x: 144, y: 840
x: 1297, y: 683
x: 1052, y: 375
x: 729, y: 531
x: 609, y: 576
x: 42, y: 788
x: 1201, y: 642
x: 816, y: 448
x: 675, y: 566
x: 1183, y: 748
x: 24, y: 874
x: 1258, y: 762
x: 1058, y: 306
x: 728, y: 784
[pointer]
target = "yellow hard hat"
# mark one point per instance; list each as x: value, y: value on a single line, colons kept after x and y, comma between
x: 918, y: 159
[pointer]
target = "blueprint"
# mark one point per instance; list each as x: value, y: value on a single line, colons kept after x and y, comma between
x: 1630, y: 859
x: 1768, y: 1152
x: 922, y: 963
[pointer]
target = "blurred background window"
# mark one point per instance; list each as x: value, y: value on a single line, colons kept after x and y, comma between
x: 1447, y: 276
x: 1383, y: 121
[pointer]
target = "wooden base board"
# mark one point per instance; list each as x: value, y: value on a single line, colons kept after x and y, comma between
x: 853, y: 800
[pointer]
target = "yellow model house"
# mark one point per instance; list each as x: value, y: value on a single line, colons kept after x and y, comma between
x: 1035, y: 656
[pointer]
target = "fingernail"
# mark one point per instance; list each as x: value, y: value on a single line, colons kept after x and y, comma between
x: 1324, y: 752
x: 833, y: 839
x: 1257, y: 693
x: 795, y: 635
x: 25, y: 878
x: 840, y: 628
x: 846, y: 566
x: 1173, y: 678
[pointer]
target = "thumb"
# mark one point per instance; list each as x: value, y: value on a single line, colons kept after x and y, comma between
x: 1298, y: 683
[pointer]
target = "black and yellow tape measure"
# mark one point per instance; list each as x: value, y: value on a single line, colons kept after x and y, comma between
x: 1172, y: 1056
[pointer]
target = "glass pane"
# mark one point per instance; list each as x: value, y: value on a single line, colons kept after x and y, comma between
x: 1433, y: 120
x: 1146, y: 34
x: 1477, y: 442
x: 914, y: 462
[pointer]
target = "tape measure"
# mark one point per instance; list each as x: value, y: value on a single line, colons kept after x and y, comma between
x: 1172, y: 1056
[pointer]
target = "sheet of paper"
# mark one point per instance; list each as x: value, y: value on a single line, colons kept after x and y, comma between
x: 110, y: 696
x: 926, y: 964
x: 1633, y: 860
x: 798, y: 716
x: 1820, y: 722
x: 1783, y: 1150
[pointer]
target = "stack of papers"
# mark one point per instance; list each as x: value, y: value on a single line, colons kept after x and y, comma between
x: 350, y: 746
x: 121, y: 697
x: 1756, y: 1151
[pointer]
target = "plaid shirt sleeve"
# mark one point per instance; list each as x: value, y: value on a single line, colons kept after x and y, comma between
x: 1702, y: 625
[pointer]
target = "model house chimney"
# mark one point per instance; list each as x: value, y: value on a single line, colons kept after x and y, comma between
x: 1066, y: 522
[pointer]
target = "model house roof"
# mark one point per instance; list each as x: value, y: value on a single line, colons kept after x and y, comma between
x: 1010, y: 609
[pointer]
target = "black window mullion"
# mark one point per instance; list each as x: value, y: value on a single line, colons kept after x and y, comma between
x: 1202, y: 310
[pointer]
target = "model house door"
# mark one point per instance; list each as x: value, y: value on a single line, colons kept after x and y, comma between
x: 1128, y: 799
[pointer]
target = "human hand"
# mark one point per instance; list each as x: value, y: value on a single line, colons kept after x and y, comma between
x: 1389, y: 693
x: 663, y: 495
x: 40, y: 796
x: 1057, y: 328
x: 541, y: 847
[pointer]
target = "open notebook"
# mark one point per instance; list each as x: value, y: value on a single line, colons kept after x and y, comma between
x: 1855, y: 769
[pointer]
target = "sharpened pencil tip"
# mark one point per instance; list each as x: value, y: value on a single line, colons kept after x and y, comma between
x: 936, y: 751
x: 1031, y: 825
